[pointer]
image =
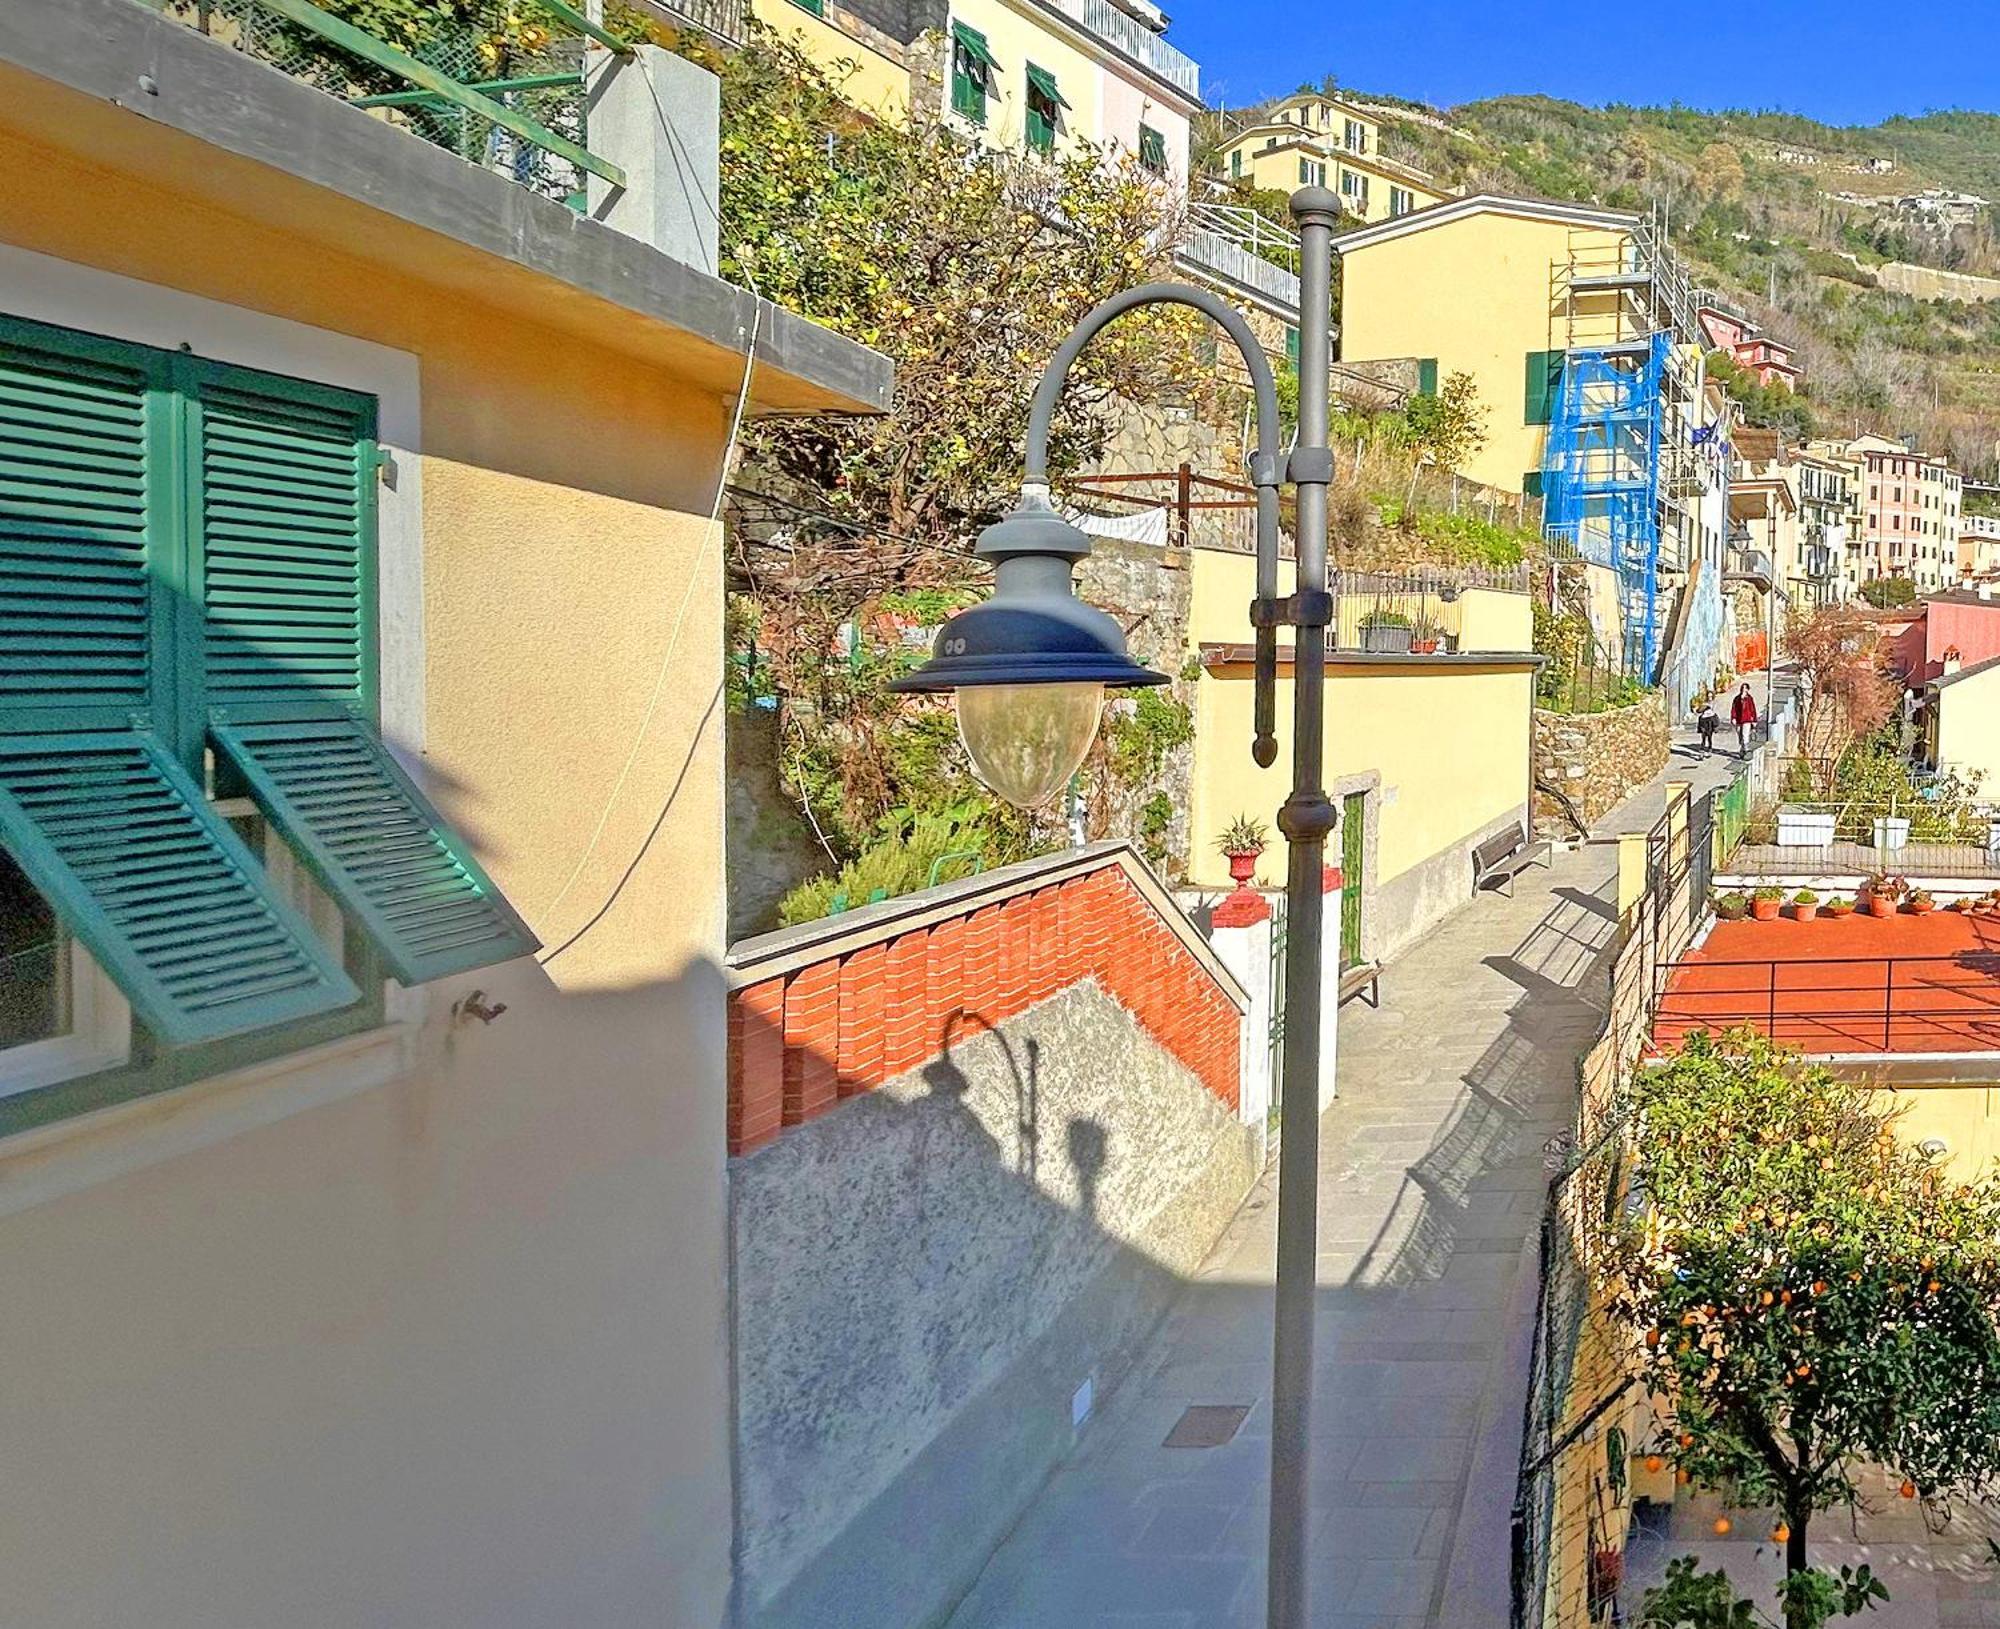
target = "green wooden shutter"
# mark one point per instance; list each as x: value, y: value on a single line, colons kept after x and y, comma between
x: 76, y: 531
x: 1152, y: 149
x: 286, y: 503
x: 972, y: 69
x: 376, y: 845
x: 1427, y: 376
x: 1544, y: 376
x: 173, y: 906
x: 1292, y: 347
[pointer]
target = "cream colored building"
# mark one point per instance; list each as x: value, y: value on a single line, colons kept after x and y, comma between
x: 1321, y: 141
x: 338, y: 1295
x: 1016, y: 75
x: 1426, y: 754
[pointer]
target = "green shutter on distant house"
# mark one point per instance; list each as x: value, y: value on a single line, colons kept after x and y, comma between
x: 375, y: 843
x: 162, y: 893
x: 973, y: 67
x: 1045, y: 109
x: 1152, y: 149
x: 1543, y: 378
x: 816, y: 7
x: 1427, y: 376
x: 1531, y: 484
x: 1292, y: 347
x: 1236, y: 164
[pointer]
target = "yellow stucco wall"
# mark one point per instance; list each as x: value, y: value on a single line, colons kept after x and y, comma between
x: 1278, y: 168
x: 1450, y: 743
x: 872, y: 80
x: 1476, y: 294
x: 1017, y: 40
x: 450, y: 1348
x: 1968, y: 728
x: 1966, y: 1117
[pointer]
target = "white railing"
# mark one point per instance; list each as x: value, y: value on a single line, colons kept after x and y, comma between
x: 1135, y: 40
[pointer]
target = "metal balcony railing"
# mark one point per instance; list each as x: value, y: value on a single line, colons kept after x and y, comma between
x: 511, y: 101
x: 1133, y: 39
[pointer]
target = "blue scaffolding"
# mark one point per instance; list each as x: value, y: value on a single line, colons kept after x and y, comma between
x: 1601, y: 480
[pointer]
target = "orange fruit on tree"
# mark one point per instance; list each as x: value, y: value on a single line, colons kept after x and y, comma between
x: 1909, y: 1490
x: 1722, y: 1525
x: 1654, y: 1463
x: 1780, y: 1533
x: 1683, y: 1477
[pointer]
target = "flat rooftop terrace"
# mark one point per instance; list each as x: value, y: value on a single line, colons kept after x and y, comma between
x: 1897, y: 986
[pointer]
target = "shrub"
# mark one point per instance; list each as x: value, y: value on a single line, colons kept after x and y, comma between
x: 900, y: 863
x: 1805, y: 896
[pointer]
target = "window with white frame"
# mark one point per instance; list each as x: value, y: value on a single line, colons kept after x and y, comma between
x: 207, y: 855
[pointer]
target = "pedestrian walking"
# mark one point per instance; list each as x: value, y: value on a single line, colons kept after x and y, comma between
x: 1706, y: 722
x: 1743, y: 714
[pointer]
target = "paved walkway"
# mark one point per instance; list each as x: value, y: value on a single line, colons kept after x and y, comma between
x: 1431, y: 1181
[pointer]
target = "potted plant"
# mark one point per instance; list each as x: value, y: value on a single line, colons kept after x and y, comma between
x: 1805, y: 905
x: 1241, y: 843
x: 1839, y: 907
x: 1385, y: 632
x: 1921, y: 902
x: 1882, y: 892
x: 1425, y: 636
x: 1732, y: 906
x: 1764, y: 904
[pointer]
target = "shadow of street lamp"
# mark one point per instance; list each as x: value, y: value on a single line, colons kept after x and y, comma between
x: 1027, y: 670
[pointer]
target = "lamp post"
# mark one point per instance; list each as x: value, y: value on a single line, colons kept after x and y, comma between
x: 1028, y: 668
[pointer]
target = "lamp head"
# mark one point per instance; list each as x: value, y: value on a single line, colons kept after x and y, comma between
x: 1029, y: 666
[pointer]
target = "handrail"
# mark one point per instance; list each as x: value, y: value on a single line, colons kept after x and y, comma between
x: 1903, y: 1004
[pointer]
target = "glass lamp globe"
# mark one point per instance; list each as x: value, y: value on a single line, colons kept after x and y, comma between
x: 1027, y: 740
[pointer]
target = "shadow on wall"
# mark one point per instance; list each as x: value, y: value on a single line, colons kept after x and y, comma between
x: 935, y: 1283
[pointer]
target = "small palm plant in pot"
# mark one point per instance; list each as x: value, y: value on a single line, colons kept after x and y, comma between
x: 1241, y: 843
x: 1805, y: 905
x: 1764, y: 904
x: 1839, y: 907
x: 1921, y: 901
x: 1732, y: 907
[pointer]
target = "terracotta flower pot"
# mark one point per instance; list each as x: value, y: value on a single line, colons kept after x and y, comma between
x: 1764, y: 910
x: 1243, y: 867
x: 1805, y: 913
x: 1839, y: 913
x: 1424, y: 647
x: 1881, y: 906
x: 1923, y: 907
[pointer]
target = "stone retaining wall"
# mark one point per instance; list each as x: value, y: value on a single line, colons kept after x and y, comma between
x: 1596, y: 759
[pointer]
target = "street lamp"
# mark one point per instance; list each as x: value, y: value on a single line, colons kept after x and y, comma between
x: 1028, y: 669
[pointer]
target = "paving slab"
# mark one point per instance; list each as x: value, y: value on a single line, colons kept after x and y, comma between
x: 1431, y: 1182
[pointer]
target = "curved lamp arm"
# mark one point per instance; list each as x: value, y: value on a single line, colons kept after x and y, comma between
x: 1264, y: 464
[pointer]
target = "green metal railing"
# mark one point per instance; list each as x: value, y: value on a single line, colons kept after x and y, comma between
x: 508, y: 96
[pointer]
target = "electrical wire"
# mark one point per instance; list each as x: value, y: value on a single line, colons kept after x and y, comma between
x: 710, y: 535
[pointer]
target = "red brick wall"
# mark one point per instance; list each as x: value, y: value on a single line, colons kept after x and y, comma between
x: 800, y: 1043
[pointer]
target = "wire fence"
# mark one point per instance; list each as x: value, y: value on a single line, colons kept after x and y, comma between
x: 528, y: 70
x: 1585, y: 1423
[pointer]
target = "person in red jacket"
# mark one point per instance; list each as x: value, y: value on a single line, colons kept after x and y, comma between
x: 1743, y: 714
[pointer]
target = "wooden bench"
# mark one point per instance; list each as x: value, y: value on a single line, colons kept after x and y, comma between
x: 1361, y: 976
x: 1505, y: 853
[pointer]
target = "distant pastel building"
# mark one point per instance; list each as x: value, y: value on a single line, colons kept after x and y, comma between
x: 1909, y: 507
x: 1753, y: 349
x: 1321, y: 141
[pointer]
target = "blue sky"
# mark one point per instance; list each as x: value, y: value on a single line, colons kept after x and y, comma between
x: 1836, y: 60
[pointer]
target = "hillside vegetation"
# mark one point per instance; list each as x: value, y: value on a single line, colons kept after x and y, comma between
x: 1750, y: 202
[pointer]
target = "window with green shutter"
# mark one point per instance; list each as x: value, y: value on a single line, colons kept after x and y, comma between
x: 1427, y: 376
x: 187, y: 614
x: 973, y: 72
x: 1152, y: 149
x: 1292, y: 347
x: 1045, y: 110
x: 1543, y: 380
x: 1236, y: 165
